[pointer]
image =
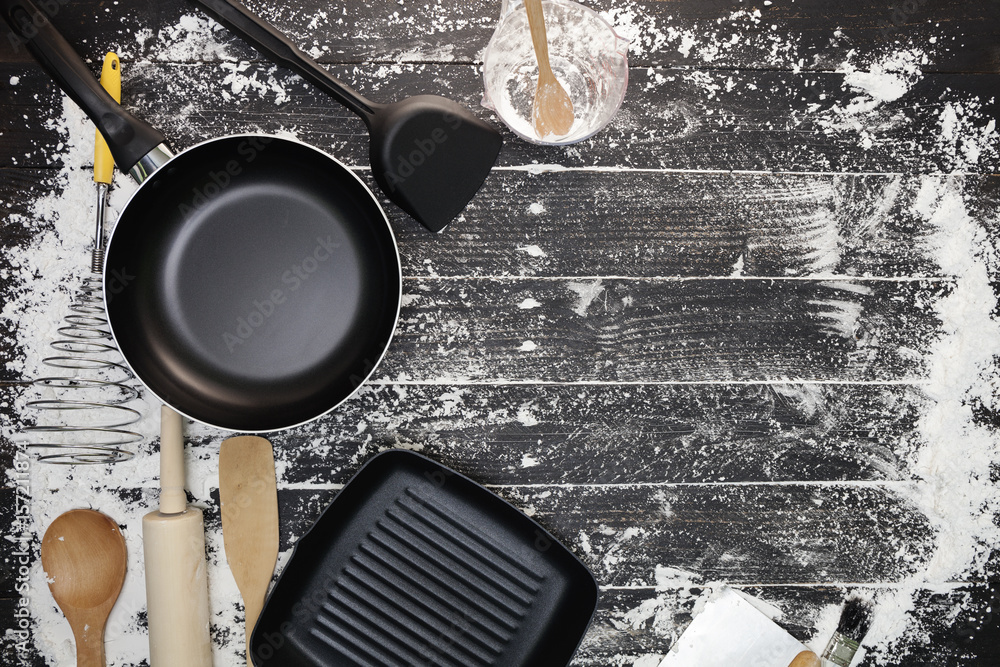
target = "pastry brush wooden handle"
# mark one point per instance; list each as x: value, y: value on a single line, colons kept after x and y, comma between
x: 805, y: 659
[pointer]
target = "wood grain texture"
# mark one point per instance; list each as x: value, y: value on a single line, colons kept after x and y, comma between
x: 670, y: 119
x: 635, y: 622
x: 798, y: 533
x: 617, y: 330
x: 388, y: 31
x: 649, y: 224
x: 608, y: 434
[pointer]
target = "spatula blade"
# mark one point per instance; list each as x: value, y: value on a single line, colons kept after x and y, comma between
x: 249, y: 507
x: 430, y: 156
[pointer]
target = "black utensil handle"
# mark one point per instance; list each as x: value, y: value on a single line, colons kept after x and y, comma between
x: 129, y: 138
x: 277, y: 47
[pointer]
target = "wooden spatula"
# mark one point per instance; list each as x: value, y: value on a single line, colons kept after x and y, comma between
x: 249, y: 497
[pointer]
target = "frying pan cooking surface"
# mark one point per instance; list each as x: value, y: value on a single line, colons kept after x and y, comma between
x: 252, y: 283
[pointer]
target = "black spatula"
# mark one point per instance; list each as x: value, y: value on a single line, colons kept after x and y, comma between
x: 429, y: 154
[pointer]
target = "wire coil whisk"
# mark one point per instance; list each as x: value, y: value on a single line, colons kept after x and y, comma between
x: 90, y: 385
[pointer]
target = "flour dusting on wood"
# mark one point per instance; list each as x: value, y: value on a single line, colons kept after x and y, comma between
x: 939, y: 474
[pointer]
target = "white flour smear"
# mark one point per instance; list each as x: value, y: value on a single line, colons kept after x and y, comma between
x: 950, y: 468
x: 951, y: 481
x: 46, y: 271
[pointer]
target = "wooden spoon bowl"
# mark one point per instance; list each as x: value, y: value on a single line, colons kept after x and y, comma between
x: 85, y: 559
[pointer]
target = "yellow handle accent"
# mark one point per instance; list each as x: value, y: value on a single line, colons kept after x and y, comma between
x: 111, y: 79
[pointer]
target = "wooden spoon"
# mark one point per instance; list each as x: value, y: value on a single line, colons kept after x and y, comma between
x: 552, y: 111
x: 249, y: 496
x: 84, y: 558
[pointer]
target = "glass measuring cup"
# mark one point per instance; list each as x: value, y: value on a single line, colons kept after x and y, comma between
x: 587, y: 57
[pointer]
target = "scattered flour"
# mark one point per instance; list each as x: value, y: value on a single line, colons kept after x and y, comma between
x: 192, y: 39
x: 888, y: 79
x: 533, y: 251
x: 586, y: 293
x: 951, y: 483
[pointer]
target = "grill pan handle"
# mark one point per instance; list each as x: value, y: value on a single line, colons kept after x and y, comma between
x: 129, y: 138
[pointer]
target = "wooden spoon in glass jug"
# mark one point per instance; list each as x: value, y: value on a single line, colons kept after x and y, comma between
x: 552, y: 110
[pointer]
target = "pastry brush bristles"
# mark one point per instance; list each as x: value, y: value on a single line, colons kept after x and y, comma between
x: 856, y: 619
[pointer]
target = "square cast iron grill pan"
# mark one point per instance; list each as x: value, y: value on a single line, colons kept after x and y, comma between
x: 415, y: 564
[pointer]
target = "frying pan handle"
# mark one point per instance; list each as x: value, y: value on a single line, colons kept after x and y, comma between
x: 278, y: 48
x: 129, y: 138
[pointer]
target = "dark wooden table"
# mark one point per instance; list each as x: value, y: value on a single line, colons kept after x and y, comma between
x: 697, y: 347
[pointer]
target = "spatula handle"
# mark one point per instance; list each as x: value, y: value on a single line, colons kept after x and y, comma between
x: 276, y: 46
x: 253, y: 605
x: 129, y: 138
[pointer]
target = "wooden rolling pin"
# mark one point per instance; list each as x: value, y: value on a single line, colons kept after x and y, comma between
x: 174, y: 549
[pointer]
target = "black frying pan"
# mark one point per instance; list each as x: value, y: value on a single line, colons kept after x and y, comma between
x: 252, y: 282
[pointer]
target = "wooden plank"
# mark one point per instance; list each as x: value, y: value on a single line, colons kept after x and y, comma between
x: 671, y: 119
x: 619, y: 330
x: 743, y: 534
x: 650, y: 224
x: 814, y: 34
x: 549, y: 434
x: 635, y: 623
x: 655, y: 331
